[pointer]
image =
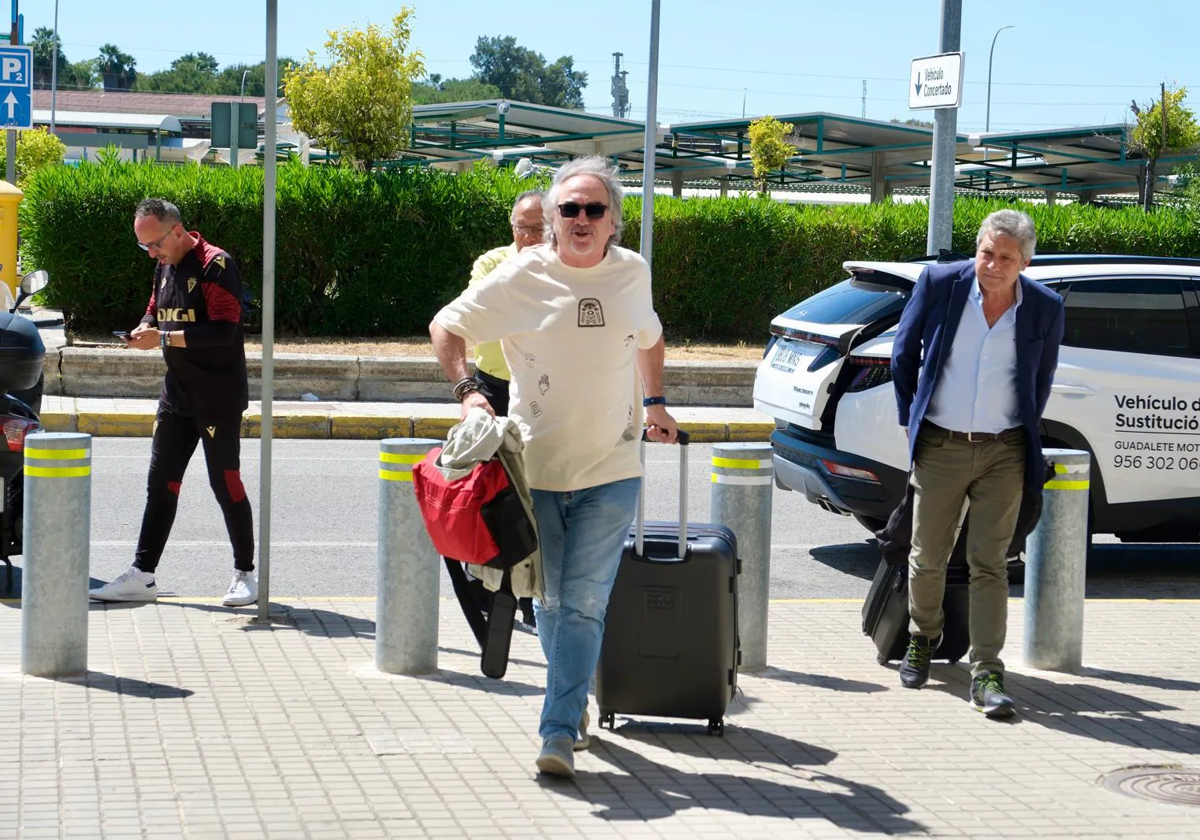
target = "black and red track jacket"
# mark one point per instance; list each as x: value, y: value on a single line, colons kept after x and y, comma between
x: 202, y: 296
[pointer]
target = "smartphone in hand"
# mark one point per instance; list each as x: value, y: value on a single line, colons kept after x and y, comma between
x: 122, y: 334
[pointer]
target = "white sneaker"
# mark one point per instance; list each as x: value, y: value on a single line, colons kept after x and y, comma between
x: 243, y: 590
x: 134, y: 585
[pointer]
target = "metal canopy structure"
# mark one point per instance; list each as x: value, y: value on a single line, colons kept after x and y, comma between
x: 1083, y: 160
x: 129, y: 131
x: 831, y: 147
x: 115, y: 121
x: 463, y: 132
x: 834, y: 150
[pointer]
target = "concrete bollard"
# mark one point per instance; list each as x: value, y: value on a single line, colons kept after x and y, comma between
x: 409, y: 573
x: 742, y: 478
x: 57, y: 528
x: 1056, y: 566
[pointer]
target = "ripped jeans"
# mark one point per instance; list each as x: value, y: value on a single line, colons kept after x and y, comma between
x: 582, y: 535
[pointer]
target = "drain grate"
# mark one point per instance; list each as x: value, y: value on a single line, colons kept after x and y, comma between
x: 1170, y: 783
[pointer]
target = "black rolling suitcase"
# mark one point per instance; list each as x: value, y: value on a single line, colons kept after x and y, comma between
x: 885, y: 613
x: 670, y: 637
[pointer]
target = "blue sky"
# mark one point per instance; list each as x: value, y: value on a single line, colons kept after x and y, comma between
x: 1067, y: 62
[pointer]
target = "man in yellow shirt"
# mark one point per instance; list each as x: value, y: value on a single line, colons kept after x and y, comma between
x: 491, y: 372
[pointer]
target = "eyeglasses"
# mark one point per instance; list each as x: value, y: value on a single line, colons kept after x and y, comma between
x: 529, y: 230
x: 595, y: 210
x: 146, y: 246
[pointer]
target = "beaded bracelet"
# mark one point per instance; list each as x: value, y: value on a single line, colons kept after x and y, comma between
x: 464, y: 386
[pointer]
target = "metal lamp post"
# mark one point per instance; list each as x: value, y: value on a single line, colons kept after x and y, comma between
x: 54, y: 71
x: 987, y: 125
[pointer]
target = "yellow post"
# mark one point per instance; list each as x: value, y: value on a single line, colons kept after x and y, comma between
x: 10, y: 198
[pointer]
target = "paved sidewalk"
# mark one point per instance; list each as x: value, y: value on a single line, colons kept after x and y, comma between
x: 113, y: 417
x: 195, y: 723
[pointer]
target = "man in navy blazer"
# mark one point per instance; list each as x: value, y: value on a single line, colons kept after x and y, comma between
x: 972, y: 365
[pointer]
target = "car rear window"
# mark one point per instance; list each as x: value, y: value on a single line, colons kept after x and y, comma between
x: 853, y: 301
x: 1128, y: 315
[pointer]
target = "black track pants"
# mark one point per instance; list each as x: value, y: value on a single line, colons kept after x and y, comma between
x: 175, y: 440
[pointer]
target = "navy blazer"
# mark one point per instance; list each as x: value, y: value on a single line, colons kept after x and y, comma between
x: 929, y: 322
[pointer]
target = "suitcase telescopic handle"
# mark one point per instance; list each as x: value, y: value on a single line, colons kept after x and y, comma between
x: 683, y: 439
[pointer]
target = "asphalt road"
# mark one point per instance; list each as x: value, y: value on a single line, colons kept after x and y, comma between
x: 324, y: 528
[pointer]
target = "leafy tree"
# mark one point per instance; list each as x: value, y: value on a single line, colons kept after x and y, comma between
x: 35, y: 148
x: 229, y: 81
x: 769, y: 151
x: 43, y: 57
x: 117, y: 69
x: 203, y: 62
x: 523, y: 74
x: 190, y: 73
x: 80, y: 75
x: 435, y: 89
x: 1149, y: 137
x: 361, y: 104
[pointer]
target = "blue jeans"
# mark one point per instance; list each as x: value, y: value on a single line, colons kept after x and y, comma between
x: 582, y: 535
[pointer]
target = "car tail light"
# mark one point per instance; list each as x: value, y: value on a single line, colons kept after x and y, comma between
x: 872, y: 372
x: 15, y: 429
x: 850, y: 472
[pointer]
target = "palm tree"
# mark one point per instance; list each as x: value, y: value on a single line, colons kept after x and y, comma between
x: 116, y: 67
x: 43, y: 57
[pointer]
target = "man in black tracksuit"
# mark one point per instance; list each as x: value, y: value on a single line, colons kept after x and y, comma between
x: 195, y: 316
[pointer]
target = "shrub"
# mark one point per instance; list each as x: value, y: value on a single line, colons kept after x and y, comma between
x: 36, y: 148
x: 370, y: 254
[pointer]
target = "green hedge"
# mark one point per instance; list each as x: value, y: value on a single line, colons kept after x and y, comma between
x: 355, y: 254
x: 377, y: 254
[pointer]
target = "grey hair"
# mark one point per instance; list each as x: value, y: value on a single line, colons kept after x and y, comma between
x: 540, y: 195
x: 1012, y: 223
x: 159, y: 208
x: 597, y: 167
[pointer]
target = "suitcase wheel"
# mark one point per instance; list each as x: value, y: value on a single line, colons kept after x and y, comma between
x: 607, y: 720
x: 716, y: 726
x: 881, y: 659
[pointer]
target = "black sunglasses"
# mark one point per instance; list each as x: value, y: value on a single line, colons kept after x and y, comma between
x: 595, y: 210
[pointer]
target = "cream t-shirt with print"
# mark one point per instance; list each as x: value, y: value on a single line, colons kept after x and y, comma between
x: 570, y: 337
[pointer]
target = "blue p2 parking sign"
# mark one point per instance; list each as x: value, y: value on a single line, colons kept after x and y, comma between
x: 16, y: 87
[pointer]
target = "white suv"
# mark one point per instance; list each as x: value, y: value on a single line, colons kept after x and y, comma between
x: 1127, y: 390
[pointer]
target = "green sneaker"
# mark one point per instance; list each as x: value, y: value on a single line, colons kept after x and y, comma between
x: 988, y: 696
x: 914, y: 669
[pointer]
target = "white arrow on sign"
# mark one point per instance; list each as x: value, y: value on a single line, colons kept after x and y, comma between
x: 11, y: 102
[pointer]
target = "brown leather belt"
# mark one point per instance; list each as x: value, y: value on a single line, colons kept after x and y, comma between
x: 971, y: 437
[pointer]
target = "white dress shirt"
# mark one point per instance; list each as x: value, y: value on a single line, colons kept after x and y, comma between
x: 977, y: 388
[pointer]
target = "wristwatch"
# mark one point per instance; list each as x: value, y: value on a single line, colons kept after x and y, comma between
x: 164, y: 339
x: 649, y: 401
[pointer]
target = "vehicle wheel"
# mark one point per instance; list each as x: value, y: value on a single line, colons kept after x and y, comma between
x: 870, y: 522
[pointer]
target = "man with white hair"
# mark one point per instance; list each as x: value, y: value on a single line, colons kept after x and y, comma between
x: 972, y: 364
x: 577, y: 325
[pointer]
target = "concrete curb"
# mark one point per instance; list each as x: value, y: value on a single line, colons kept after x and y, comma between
x: 117, y: 373
x: 332, y: 424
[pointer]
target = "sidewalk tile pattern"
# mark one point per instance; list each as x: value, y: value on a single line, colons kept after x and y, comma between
x: 194, y: 722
